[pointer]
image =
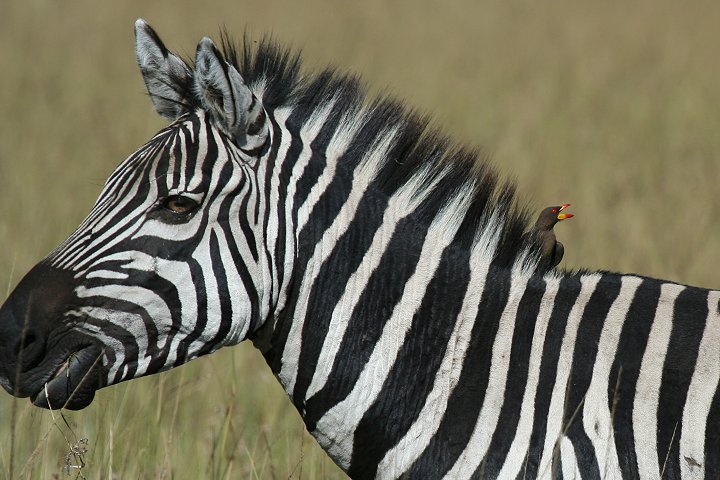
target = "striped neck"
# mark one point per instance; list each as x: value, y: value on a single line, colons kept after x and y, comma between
x: 465, y: 356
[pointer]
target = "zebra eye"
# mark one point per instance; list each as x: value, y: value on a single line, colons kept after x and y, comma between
x: 179, y: 205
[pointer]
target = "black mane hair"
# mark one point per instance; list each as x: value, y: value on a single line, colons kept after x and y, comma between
x: 275, y: 72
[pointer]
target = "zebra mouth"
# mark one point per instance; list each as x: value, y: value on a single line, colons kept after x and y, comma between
x: 73, y: 384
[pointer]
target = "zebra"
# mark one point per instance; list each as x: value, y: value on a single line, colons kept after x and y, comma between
x: 383, y: 272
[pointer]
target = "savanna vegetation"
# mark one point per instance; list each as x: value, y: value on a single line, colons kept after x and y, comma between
x: 611, y: 106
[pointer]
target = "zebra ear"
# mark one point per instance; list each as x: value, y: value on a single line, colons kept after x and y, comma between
x: 167, y: 77
x: 227, y: 100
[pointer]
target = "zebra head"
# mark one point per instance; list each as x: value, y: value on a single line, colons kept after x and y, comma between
x: 169, y: 265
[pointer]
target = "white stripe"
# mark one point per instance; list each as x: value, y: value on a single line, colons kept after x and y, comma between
x: 173, y: 161
x: 555, y: 424
x: 118, y: 227
x: 272, y: 229
x: 400, y: 205
x: 308, y: 133
x: 647, y: 390
x: 126, y: 321
x: 118, y: 197
x: 486, y: 424
x: 178, y: 162
x: 597, y: 417
x: 176, y: 272
x: 335, y: 429
x: 109, y: 344
x: 570, y: 467
x: 240, y: 302
x: 418, y: 436
x: 202, y: 254
x: 346, y: 215
x: 107, y: 274
x: 195, y: 181
x: 239, y: 242
x: 349, y: 126
x: 703, y: 386
x: 257, y: 196
x: 213, y: 309
x: 518, y: 449
x: 132, y: 323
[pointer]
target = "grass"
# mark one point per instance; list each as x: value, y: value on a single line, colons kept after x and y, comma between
x: 215, y: 418
x: 611, y: 107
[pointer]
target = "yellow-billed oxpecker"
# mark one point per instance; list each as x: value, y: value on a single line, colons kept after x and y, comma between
x: 551, y: 251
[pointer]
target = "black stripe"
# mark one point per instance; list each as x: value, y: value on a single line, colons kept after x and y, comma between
x: 226, y: 314
x: 323, y: 215
x: 712, y: 432
x: 467, y: 399
x: 688, y: 324
x: 120, y: 335
x: 325, y: 211
x: 517, y: 377
x: 412, y: 376
x: 126, y: 215
x: 331, y: 280
x: 382, y: 292
x: 142, y: 155
x: 261, y: 188
x: 169, y: 294
x: 247, y: 281
x: 284, y: 177
x: 198, y: 280
x: 271, y: 156
x: 192, y: 154
x: 248, y: 234
x: 712, y: 440
x: 317, y: 163
x: 297, y: 116
x: 258, y: 123
x: 584, y: 356
x: 162, y: 165
x: 258, y: 151
x: 178, y: 151
x: 626, y: 369
x: 566, y: 297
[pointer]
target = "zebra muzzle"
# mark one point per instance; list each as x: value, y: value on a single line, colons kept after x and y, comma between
x: 42, y: 355
x: 74, y: 383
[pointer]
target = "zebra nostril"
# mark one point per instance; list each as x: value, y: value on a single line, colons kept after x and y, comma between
x: 22, y: 345
x: 29, y: 351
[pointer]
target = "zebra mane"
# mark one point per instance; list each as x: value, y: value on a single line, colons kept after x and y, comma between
x: 273, y: 73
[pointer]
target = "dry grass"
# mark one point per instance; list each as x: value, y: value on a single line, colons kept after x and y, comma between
x: 613, y: 108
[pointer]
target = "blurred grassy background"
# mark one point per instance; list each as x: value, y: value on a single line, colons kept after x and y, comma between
x: 611, y: 106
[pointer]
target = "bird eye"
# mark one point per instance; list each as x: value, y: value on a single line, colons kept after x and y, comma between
x: 179, y: 205
x: 554, y: 210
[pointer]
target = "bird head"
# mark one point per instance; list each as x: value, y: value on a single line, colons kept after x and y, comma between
x: 551, y: 215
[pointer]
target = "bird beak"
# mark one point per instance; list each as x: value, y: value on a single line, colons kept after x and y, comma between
x: 563, y: 216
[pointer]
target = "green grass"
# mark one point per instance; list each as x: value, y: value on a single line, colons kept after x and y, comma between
x: 613, y: 108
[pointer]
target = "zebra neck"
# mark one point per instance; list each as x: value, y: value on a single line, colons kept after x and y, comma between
x: 457, y: 331
x: 389, y: 317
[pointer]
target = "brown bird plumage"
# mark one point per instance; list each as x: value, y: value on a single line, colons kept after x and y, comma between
x: 551, y: 251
